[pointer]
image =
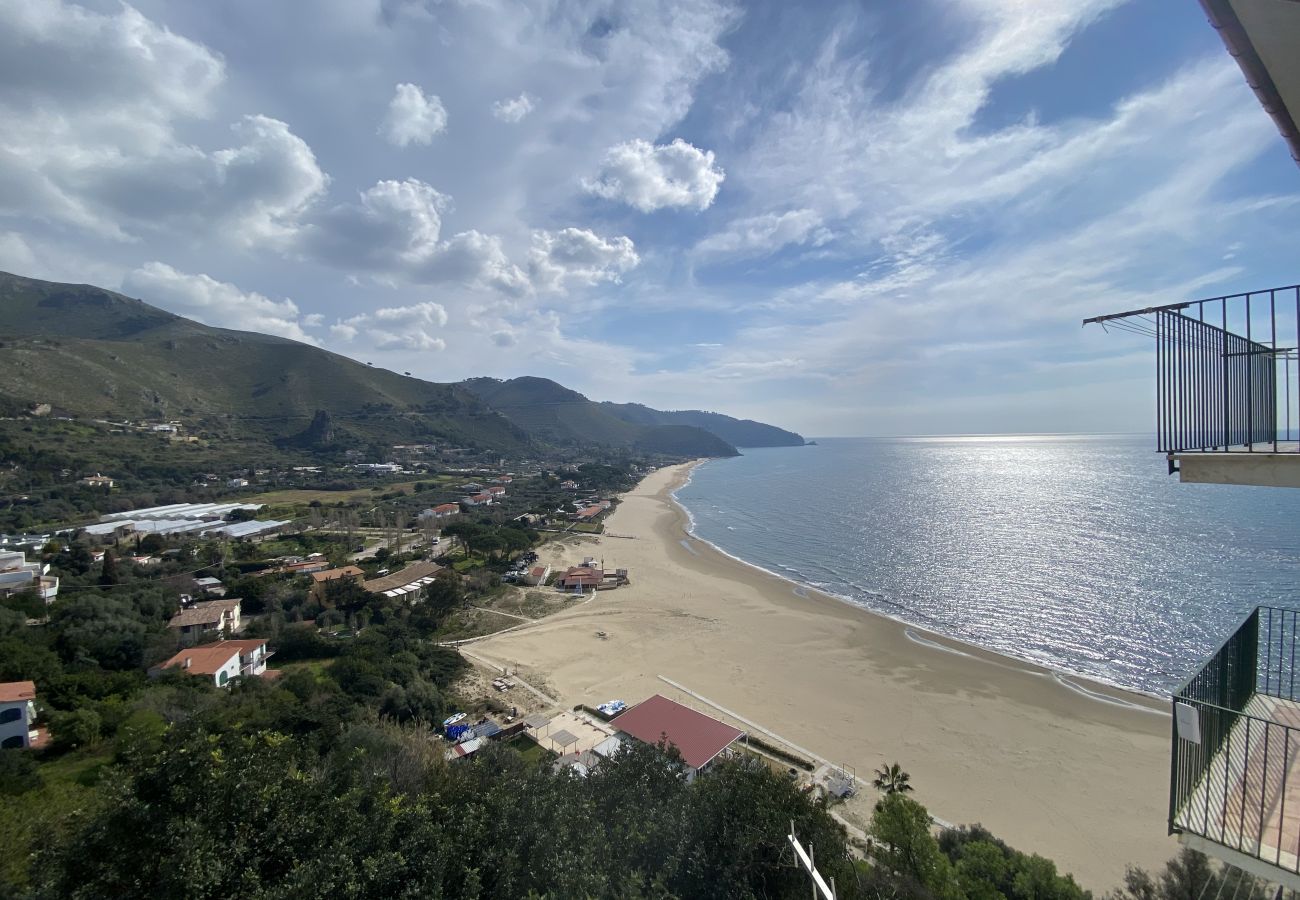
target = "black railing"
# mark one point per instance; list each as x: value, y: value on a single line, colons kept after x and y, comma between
x: 1236, y: 737
x: 1227, y: 370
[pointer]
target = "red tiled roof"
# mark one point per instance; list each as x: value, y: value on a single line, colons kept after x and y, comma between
x: 16, y: 691
x: 696, y: 736
x: 446, y: 507
x: 331, y: 574
x: 208, y: 659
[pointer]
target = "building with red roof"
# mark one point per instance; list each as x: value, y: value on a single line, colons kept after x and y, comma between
x: 17, y: 713
x: 222, y: 661
x: 699, y: 739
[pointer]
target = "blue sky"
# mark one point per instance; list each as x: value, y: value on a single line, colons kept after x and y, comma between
x: 866, y: 218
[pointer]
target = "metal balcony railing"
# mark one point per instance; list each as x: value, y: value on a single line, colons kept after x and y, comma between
x: 1227, y: 370
x: 1235, y: 766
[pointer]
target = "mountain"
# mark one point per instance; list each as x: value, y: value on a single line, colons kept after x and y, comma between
x: 554, y: 414
x: 94, y: 353
x: 740, y: 432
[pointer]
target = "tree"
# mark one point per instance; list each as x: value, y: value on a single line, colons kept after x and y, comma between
x: 78, y: 728
x: 902, y: 826
x: 108, y: 574
x: 892, y: 779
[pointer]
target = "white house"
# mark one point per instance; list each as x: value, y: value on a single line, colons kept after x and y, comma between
x: 18, y: 575
x: 17, y: 713
x: 222, y: 661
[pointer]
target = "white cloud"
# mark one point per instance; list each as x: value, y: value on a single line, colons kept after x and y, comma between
x: 91, y: 102
x: 397, y: 327
x: 576, y: 256
x: 214, y: 302
x: 414, y: 117
x: 649, y: 177
x: 514, y: 109
x: 766, y: 233
x: 392, y: 223
x: 15, y: 255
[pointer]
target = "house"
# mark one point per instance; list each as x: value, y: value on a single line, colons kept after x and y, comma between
x: 223, y: 661
x: 97, y: 481
x: 307, y: 567
x: 236, y: 482
x: 580, y: 579
x: 17, y: 713
x: 536, y: 575
x: 503, y: 479
x: 212, y: 586
x: 206, y: 619
x: 406, y: 584
x: 587, y: 514
x: 441, y: 511
x: 18, y: 575
x: 568, y: 485
x: 1224, y: 413
x: 700, y: 739
x: 483, y: 499
x: 321, y: 580
x: 497, y: 492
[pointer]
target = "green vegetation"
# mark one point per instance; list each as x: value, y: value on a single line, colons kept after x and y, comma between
x: 553, y: 414
x: 739, y: 432
x: 891, y: 779
x: 145, y: 363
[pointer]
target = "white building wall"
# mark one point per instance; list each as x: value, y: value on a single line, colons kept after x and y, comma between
x: 17, y: 727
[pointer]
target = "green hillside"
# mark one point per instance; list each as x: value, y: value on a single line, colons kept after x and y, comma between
x: 738, y: 432
x: 557, y: 415
x: 96, y: 354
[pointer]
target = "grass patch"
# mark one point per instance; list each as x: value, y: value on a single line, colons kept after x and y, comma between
x: 82, y: 767
x: 589, y: 527
x: 327, y: 498
x: 316, y: 667
x: 531, y: 751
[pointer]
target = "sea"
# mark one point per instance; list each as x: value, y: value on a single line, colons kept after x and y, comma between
x: 1077, y: 552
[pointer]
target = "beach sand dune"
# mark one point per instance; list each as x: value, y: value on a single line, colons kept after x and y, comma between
x: 1080, y: 779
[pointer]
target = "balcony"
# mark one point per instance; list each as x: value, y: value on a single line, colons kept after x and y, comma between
x: 1235, y: 768
x: 1227, y: 384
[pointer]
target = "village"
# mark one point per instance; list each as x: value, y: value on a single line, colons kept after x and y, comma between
x: 397, y: 556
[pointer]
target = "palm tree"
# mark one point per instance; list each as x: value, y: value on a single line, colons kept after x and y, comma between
x: 892, y: 779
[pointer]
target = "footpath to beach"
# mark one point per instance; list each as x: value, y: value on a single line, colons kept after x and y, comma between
x: 1071, y: 769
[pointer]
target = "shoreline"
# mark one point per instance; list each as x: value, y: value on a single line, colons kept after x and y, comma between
x: 1046, y: 763
x: 938, y: 637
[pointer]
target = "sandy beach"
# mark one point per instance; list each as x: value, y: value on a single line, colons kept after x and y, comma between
x: 1071, y: 769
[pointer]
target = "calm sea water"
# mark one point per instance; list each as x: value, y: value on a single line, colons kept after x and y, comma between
x: 1073, y: 551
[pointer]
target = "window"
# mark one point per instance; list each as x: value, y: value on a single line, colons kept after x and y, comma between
x: 223, y: 678
x: 16, y: 742
x: 12, y: 714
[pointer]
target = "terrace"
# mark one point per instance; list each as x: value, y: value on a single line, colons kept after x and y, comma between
x: 1227, y: 384
x: 1235, y: 769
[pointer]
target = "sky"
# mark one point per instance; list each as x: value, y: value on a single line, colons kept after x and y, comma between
x: 866, y: 218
